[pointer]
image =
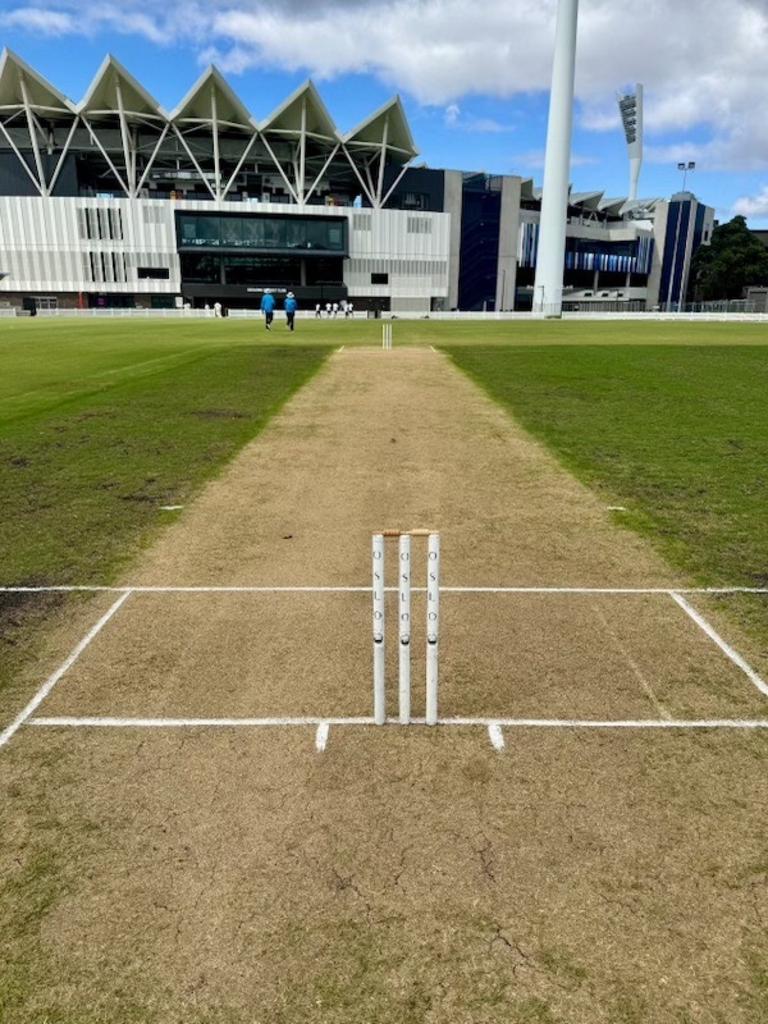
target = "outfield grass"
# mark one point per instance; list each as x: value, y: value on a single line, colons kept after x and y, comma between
x: 101, y: 426
x: 678, y: 435
x: 102, y: 423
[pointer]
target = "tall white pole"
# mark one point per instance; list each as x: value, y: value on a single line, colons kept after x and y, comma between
x: 548, y: 286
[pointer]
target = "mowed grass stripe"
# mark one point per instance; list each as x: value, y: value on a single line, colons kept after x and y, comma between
x: 82, y: 481
x: 678, y: 435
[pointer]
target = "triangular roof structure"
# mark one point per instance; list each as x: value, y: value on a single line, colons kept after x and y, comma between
x: 587, y: 200
x: 41, y: 94
x: 612, y: 205
x: 101, y: 97
x: 287, y: 118
x: 196, y: 105
x: 371, y: 132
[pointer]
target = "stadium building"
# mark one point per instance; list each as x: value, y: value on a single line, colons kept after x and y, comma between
x: 115, y: 202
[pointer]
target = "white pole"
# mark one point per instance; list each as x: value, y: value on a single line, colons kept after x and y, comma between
x: 548, y: 286
x: 404, y: 616
x: 379, y: 694
x: 433, y: 624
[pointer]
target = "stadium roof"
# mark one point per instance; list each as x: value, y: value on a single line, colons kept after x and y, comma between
x: 304, y: 103
x: 17, y: 77
x: 112, y: 89
x: 386, y: 127
x: 212, y: 93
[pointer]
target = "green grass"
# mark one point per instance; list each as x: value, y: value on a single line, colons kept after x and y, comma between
x: 101, y: 426
x: 678, y: 435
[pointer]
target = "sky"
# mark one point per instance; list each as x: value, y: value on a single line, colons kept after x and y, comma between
x: 474, y: 78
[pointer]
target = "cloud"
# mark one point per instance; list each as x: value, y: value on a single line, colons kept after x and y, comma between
x: 35, y: 19
x: 452, y: 114
x: 753, y: 206
x: 702, y: 61
x: 453, y: 118
x: 533, y: 160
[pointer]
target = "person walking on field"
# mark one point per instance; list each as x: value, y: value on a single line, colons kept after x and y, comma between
x: 268, y: 309
x: 290, y: 306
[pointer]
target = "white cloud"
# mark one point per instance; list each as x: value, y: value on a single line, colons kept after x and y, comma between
x: 533, y: 160
x: 753, y: 206
x: 702, y: 61
x: 453, y: 118
x: 35, y: 19
x: 452, y: 114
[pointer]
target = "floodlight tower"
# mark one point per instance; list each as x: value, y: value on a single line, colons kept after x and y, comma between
x: 548, y: 285
x: 631, y: 110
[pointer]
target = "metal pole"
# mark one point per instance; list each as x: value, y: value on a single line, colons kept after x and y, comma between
x: 379, y: 693
x: 433, y: 624
x: 548, y: 286
x: 404, y: 617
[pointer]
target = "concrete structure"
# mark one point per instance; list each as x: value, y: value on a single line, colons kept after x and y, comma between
x: 113, y: 202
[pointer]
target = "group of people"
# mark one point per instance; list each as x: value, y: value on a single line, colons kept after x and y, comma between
x: 269, y: 303
x: 290, y: 306
x: 332, y: 309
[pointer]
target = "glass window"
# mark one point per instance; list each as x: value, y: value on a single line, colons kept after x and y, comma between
x: 261, y: 232
x: 232, y: 232
x: 200, y: 267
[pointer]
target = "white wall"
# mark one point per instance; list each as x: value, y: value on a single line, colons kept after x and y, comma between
x: 44, y: 245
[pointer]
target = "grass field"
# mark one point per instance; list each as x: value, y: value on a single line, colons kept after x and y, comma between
x: 99, y: 429
x: 403, y: 876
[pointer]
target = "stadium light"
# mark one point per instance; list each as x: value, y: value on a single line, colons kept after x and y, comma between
x: 631, y: 110
x: 685, y: 168
x: 550, y: 258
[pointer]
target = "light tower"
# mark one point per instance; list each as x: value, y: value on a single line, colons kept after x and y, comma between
x: 548, y: 285
x: 631, y: 109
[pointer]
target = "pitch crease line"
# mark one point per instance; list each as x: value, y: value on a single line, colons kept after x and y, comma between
x: 669, y: 591
x: 51, y: 681
x: 485, y: 723
x: 726, y: 648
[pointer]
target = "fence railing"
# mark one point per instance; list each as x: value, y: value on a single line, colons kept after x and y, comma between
x: 454, y: 315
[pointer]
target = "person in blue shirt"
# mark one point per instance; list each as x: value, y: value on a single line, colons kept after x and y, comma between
x: 268, y: 309
x: 290, y: 310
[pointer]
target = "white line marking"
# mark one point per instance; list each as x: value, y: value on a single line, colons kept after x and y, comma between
x: 51, y: 681
x: 340, y: 349
x: 170, y: 508
x: 726, y: 648
x: 616, y: 508
x: 192, y: 723
x: 432, y: 347
x: 321, y: 736
x: 496, y: 736
x: 630, y: 591
x: 576, y: 723
x: 485, y: 723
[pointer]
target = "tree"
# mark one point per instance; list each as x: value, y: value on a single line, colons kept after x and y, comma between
x: 735, y: 259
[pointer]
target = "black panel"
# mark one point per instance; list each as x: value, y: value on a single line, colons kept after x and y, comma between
x: 480, y: 224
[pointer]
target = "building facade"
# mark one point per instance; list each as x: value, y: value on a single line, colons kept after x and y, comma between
x: 116, y: 202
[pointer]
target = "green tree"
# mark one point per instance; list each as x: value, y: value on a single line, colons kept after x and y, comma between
x: 735, y: 259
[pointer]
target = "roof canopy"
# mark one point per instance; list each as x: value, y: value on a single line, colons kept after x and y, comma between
x: 305, y: 103
x: 212, y: 91
x: 390, y: 119
x: 40, y: 93
x: 114, y: 87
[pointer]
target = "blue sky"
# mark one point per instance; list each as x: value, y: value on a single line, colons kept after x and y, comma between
x: 474, y: 85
